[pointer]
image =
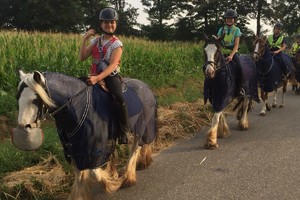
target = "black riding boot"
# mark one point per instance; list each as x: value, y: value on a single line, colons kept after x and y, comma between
x: 240, y: 78
x: 284, y: 68
x: 124, y: 124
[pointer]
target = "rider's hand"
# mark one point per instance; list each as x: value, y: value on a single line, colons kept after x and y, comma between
x: 276, y: 52
x: 89, y: 33
x: 92, y: 80
x: 229, y: 58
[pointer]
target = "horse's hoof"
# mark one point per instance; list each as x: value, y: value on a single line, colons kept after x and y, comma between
x: 211, y: 146
x: 281, y: 106
x: 128, y: 183
x: 242, y: 128
x: 262, y: 114
x: 273, y: 106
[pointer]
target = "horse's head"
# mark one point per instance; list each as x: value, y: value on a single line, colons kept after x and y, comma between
x: 33, y: 101
x: 260, y: 44
x: 297, y: 58
x: 213, y: 56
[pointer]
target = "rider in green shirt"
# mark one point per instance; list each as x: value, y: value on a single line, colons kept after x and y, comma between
x: 230, y: 43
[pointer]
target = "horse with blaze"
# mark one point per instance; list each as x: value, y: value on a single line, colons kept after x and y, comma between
x: 221, y: 88
x: 269, y: 73
x: 87, y: 126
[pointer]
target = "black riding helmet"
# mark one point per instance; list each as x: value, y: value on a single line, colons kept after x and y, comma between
x: 230, y: 14
x: 108, y: 14
x: 279, y: 25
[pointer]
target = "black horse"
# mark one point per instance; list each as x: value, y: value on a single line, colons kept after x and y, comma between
x: 87, y: 125
x: 220, y: 88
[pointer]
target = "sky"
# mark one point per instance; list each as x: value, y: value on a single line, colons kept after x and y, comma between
x: 142, y: 18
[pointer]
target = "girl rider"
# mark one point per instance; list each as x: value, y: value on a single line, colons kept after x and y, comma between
x: 230, y: 44
x: 106, y: 51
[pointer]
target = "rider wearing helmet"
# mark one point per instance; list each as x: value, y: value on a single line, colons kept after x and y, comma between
x: 106, y: 51
x: 296, y: 46
x: 277, y: 44
x: 231, y: 38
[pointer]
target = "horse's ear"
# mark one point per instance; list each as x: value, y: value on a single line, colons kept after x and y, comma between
x: 22, y: 74
x: 38, y: 77
x: 221, y: 38
x: 205, y: 37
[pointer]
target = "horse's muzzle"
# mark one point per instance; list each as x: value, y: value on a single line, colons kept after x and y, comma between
x: 210, y: 74
x: 27, y: 139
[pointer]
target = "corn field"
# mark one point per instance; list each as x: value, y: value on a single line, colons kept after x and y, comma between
x: 160, y: 64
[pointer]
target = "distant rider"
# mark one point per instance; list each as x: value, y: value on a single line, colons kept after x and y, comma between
x: 296, y: 47
x: 277, y: 45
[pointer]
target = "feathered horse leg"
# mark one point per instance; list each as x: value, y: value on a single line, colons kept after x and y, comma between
x: 81, y: 189
x: 223, y: 128
x: 84, y: 180
x: 130, y: 173
x: 266, y: 107
x: 211, y: 140
x: 285, y: 82
x: 243, y: 106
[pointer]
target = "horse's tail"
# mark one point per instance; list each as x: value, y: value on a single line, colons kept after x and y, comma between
x: 241, y: 108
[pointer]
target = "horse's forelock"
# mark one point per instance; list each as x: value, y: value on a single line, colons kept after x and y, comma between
x: 39, y: 90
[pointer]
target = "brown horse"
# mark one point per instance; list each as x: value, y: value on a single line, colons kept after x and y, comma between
x: 270, y: 73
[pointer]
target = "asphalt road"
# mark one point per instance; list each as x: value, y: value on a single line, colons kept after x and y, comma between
x: 258, y: 164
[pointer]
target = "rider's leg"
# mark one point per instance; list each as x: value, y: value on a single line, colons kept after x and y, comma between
x: 283, y: 65
x: 114, y: 85
x: 240, y: 77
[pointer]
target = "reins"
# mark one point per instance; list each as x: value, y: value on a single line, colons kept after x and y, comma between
x: 69, y: 101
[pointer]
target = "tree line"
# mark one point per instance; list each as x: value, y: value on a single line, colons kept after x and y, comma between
x: 182, y: 20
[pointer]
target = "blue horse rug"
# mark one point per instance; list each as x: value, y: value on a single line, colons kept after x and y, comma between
x: 270, y: 71
x: 89, y: 124
x: 221, y: 90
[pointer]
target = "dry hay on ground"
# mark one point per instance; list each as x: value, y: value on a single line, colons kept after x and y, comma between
x: 180, y: 121
x: 49, y: 174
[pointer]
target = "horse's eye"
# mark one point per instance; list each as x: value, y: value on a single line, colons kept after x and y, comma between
x: 36, y: 102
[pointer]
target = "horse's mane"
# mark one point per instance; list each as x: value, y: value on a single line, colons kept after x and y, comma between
x: 39, y: 90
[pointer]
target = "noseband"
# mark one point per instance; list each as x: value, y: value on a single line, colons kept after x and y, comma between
x: 214, y: 64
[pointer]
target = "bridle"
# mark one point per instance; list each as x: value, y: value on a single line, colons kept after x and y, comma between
x: 215, y: 65
x: 43, y: 109
x: 260, y: 53
x: 261, y: 49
